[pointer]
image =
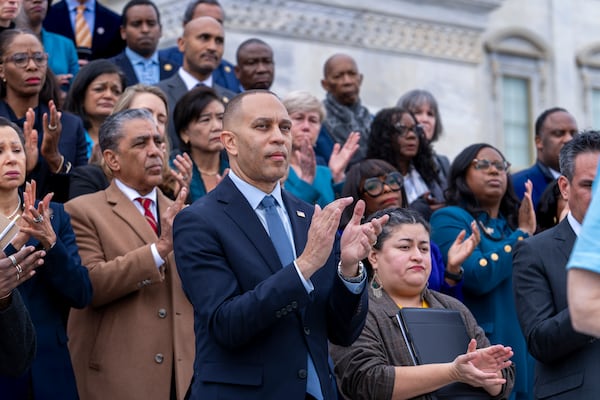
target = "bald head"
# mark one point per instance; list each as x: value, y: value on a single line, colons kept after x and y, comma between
x: 257, y: 138
x: 334, y: 60
x: 341, y: 79
x: 202, y: 45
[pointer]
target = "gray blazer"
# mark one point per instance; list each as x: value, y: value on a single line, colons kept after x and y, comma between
x: 17, y: 342
x: 567, y: 365
x: 175, y: 88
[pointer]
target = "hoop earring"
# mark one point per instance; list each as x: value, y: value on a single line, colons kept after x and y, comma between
x: 376, y: 286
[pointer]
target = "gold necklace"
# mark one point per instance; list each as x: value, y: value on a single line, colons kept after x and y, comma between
x: 12, y: 214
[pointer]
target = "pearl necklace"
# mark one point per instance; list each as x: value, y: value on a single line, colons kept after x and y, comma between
x: 12, y: 214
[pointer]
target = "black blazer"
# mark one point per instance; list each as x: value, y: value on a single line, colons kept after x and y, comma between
x: 106, y: 36
x: 167, y: 68
x: 567, y: 365
x: 254, y: 320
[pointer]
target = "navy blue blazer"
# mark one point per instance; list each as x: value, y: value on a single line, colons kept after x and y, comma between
x: 223, y: 76
x: 167, y: 68
x: 106, y: 36
x: 72, y: 146
x: 61, y: 283
x: 254, y: 321
x: 567, y: 364
x: 539, y: 175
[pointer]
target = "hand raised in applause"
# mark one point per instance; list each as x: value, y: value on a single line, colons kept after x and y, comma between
x: 31, y: 140
x: 27, y: 259
x: 341, y: 155
x: 358, y: 239
x: 461, y: 249
x: 164, y: 245
x: 527, y: 220
x: 483, y: 367
x: 35, y: 222
x: 52, y: 131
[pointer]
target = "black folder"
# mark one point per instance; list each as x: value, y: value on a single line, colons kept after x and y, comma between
x: 436, y: 335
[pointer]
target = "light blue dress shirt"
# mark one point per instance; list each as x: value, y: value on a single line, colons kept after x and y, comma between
x: 89, y: 13
x: 147, y: 70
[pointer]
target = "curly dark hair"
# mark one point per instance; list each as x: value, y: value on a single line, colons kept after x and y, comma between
x: 382, y: 144
x: 459, y: 193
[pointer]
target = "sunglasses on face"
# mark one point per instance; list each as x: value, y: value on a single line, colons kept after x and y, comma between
x: 484, y: 165
x: 22, y: 59
x: 374, y: 186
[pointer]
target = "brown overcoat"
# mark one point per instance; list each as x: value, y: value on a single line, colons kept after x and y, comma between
x: 140, y: 324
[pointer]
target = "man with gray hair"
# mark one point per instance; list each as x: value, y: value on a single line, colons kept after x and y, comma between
x: 567, y: 361
x: 136, y: 340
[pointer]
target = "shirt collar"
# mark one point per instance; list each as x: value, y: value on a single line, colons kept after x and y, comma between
x: 191, y: 82
x: 135, y: 58
x: 90, y: 5
x: 253, y: 194
x: 133, y: 194
x: 576, y: 226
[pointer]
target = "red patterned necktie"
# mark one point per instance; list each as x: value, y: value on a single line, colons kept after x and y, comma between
x: 146, y: 203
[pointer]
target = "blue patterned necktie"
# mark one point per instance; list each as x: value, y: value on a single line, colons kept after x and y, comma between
x: 277, y: 232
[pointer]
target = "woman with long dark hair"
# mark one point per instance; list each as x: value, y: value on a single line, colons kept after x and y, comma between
x: 397, y: 138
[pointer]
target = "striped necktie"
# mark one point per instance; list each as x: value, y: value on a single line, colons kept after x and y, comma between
x: 83, y: 35
x: 146, y: 203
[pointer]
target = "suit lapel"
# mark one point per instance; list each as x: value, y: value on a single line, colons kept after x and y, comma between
x: 300, y: 215
x: 244, y: 217
x: 566, y: 237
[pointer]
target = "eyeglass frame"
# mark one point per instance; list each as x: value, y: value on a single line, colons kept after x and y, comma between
x: 383, y: 182
x: 30, y: 57
x: 402, y: 130
x: 477, y: 165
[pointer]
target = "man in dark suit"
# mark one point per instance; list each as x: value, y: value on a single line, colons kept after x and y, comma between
x: 141, y: 29
x: 202, y: 46
x: 567, y: 364
x: 269, y: 281
x: 224, y: 74
x: 553, y: 128
x: 106, y: 38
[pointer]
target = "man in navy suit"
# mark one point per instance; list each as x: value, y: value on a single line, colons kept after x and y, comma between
x: 262, y: 320
x: 104, y: 27
x: 566, y: 361
x: 224, y: 74
x: 141, y: 29
x: 553, y: 128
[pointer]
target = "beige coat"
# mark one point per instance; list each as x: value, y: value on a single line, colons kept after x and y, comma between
x: 140, y: 323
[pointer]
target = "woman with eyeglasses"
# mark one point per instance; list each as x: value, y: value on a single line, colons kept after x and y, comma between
x: 480, y: 190
x: 28, y: 93
x: 381, y: 186
x: 397, y: 138
x: 425, y: 109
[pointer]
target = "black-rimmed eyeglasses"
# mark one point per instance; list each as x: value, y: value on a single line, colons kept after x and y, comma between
x: 22, y: 59
x: 374, y: 186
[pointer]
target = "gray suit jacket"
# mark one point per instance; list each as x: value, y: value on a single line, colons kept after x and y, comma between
x: 175, y: 88
x: 568, y: 363
x: 17, y: 343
